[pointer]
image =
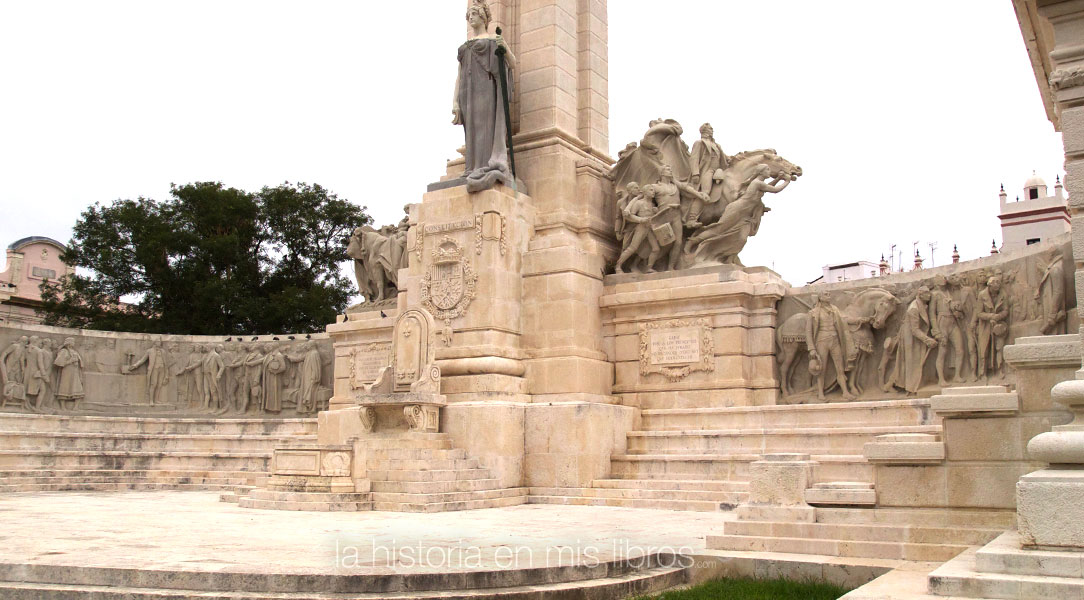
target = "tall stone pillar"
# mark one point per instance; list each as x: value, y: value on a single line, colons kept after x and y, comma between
x: 560, y: 118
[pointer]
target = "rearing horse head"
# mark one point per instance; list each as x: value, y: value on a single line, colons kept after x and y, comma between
x: 744, y: 162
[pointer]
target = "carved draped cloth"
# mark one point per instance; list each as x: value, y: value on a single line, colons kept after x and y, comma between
x: 70, y: 386
x: 482, y: 107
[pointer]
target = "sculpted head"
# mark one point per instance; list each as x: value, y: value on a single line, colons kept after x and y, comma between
x: 633, y: 188
x: 939, y: 281
x: 667, y: 172
x: 706, y: 130
x: 478, y: 15
x: 994, y: 283
x: 763, y: 172
x: 24, y: 340
x: 68, y: 343
x: 649, y: 191
x: 35, y: 341
x: 924, y: 293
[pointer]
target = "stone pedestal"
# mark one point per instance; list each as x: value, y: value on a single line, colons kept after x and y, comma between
x: 466, y: 262
x: 777, y: 487
x: 1050, y: 503
x: 696, y: 338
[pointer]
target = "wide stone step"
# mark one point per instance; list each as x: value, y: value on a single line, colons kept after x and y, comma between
x: 960, y: 578
x: 434, y: 487
x: 831, y: 547
x: 108, y: 459
x: 314, y: 506
x: 870, y: 533
x: 428, y: 475
x: 647, y: 581
x: 687, y: 505
x: 928, y: 517
x: 426, y: 454
x: 822, y: 440
x: 382, y: 498
x: 284, y: 496
x: 672, y: 484
x: 136, y: 442
x: 433, y: 507
x: 732, y: 467
x: 422, y: 465
x: 87, y: 424
x: 126, y: 486
x: 850, y: 414
x: 728, y: 498
x: 435, y: 441
x: 841, y: 493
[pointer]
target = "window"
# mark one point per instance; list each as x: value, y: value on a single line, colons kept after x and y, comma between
x: 1033, y: 241
x: 1033, y: 193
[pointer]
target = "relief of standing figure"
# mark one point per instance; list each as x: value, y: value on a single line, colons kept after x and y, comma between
x: 69, y: 391
x: 1051, y: 293
x: 993, y: 326
x: 946, y: 315
x: 913, y: 344
x: 826, y: 334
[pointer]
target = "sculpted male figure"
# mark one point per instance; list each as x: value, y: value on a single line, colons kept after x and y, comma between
x: 945, y: 318
x: 669, y: 192
x: 12, y: 370
x: 157, y: 371
x: 632, y: 190
x: 212, y: 369
x: 253, y: 376
x: 968, y: 298
x: 825, y: 334
x: 37, y: 378
x: 914, y: 345
x: 993, y: 325
x: 309, y: 372
x: 1051, y: 293
x: 639, y: 212
x: 707, y: 159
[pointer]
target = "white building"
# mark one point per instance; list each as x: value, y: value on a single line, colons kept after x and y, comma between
x: 1035, y: 217
x: 847, y: 272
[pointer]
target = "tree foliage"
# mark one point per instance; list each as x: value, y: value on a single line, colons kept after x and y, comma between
x: 209, y: 260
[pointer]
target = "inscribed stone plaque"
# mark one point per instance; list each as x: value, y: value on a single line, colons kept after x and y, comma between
x: 676, y: 347
x: 366, y: 362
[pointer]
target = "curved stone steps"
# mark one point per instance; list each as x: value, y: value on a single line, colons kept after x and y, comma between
x: 613, y: 579
x: 810, y: 440
x: 145, y: 442
x: 151, y: 425
x: 880, y: 412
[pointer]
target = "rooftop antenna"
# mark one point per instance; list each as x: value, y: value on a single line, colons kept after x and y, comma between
x: 892, y: 257
x: 933, y: 246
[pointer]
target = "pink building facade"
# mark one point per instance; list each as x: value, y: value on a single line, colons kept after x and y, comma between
x: 30, y: 261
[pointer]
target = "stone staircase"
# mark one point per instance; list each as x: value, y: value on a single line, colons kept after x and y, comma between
x: 696, y: 458
x: 415, y: 472
x: 921, y: 534
x: 63, y: 453
x: 603, y: 580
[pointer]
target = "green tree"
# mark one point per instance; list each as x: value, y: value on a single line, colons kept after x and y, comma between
x: 209, y: 260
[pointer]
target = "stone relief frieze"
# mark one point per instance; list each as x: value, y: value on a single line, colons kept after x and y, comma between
x: 112, y: 374
x: 677, y: 347
x: 924, y: 330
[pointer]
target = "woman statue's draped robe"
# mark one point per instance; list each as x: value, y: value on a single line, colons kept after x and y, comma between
x: 482, y: 107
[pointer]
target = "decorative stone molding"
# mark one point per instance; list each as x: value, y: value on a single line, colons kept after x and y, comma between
x: 987, y: 400
x: 1044, y: 351
x: 1066, y: 78
x: 490, y: 226
x: 335, y: 464
x: 423, y: 417
x: 437, y: 229
x: 676, y: 347
x: 449, y: 283
x: 905, y: 449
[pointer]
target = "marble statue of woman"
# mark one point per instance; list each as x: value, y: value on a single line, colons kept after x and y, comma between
x: 478, y: 104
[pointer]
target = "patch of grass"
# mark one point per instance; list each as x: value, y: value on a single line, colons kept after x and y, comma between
x: 754, y: 589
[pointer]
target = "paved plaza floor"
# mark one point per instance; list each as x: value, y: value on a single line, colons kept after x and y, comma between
x: 194, y: 531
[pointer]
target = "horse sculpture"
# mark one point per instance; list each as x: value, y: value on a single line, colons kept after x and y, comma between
x: 868, y: 312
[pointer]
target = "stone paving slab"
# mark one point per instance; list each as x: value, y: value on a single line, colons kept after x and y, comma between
x: 194, y: 531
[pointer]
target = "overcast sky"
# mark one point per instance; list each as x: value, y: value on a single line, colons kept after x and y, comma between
x: 905, y: 116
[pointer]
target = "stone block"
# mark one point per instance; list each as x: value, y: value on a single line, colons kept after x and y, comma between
x: 1049, y: 508
x: 905, y: 449
x: 914, y: 486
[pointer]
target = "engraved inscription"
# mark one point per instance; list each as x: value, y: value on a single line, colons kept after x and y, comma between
x: 675, y: 346
x: 366, y: 362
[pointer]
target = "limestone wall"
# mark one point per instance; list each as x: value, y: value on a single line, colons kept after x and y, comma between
x: 110, y: 387
x: 1021, y: 273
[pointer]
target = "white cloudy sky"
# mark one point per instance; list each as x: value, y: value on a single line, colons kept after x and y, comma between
x: 904, y: 115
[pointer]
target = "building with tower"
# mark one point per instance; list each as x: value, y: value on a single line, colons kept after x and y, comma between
x: 1035, y: 216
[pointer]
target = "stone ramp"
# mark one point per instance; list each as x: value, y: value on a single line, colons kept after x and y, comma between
x: 87, y: 453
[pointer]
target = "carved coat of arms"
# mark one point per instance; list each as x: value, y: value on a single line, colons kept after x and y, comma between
x: 448, y: 286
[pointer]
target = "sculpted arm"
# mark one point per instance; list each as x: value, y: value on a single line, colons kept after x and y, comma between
x: 457, y: 113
